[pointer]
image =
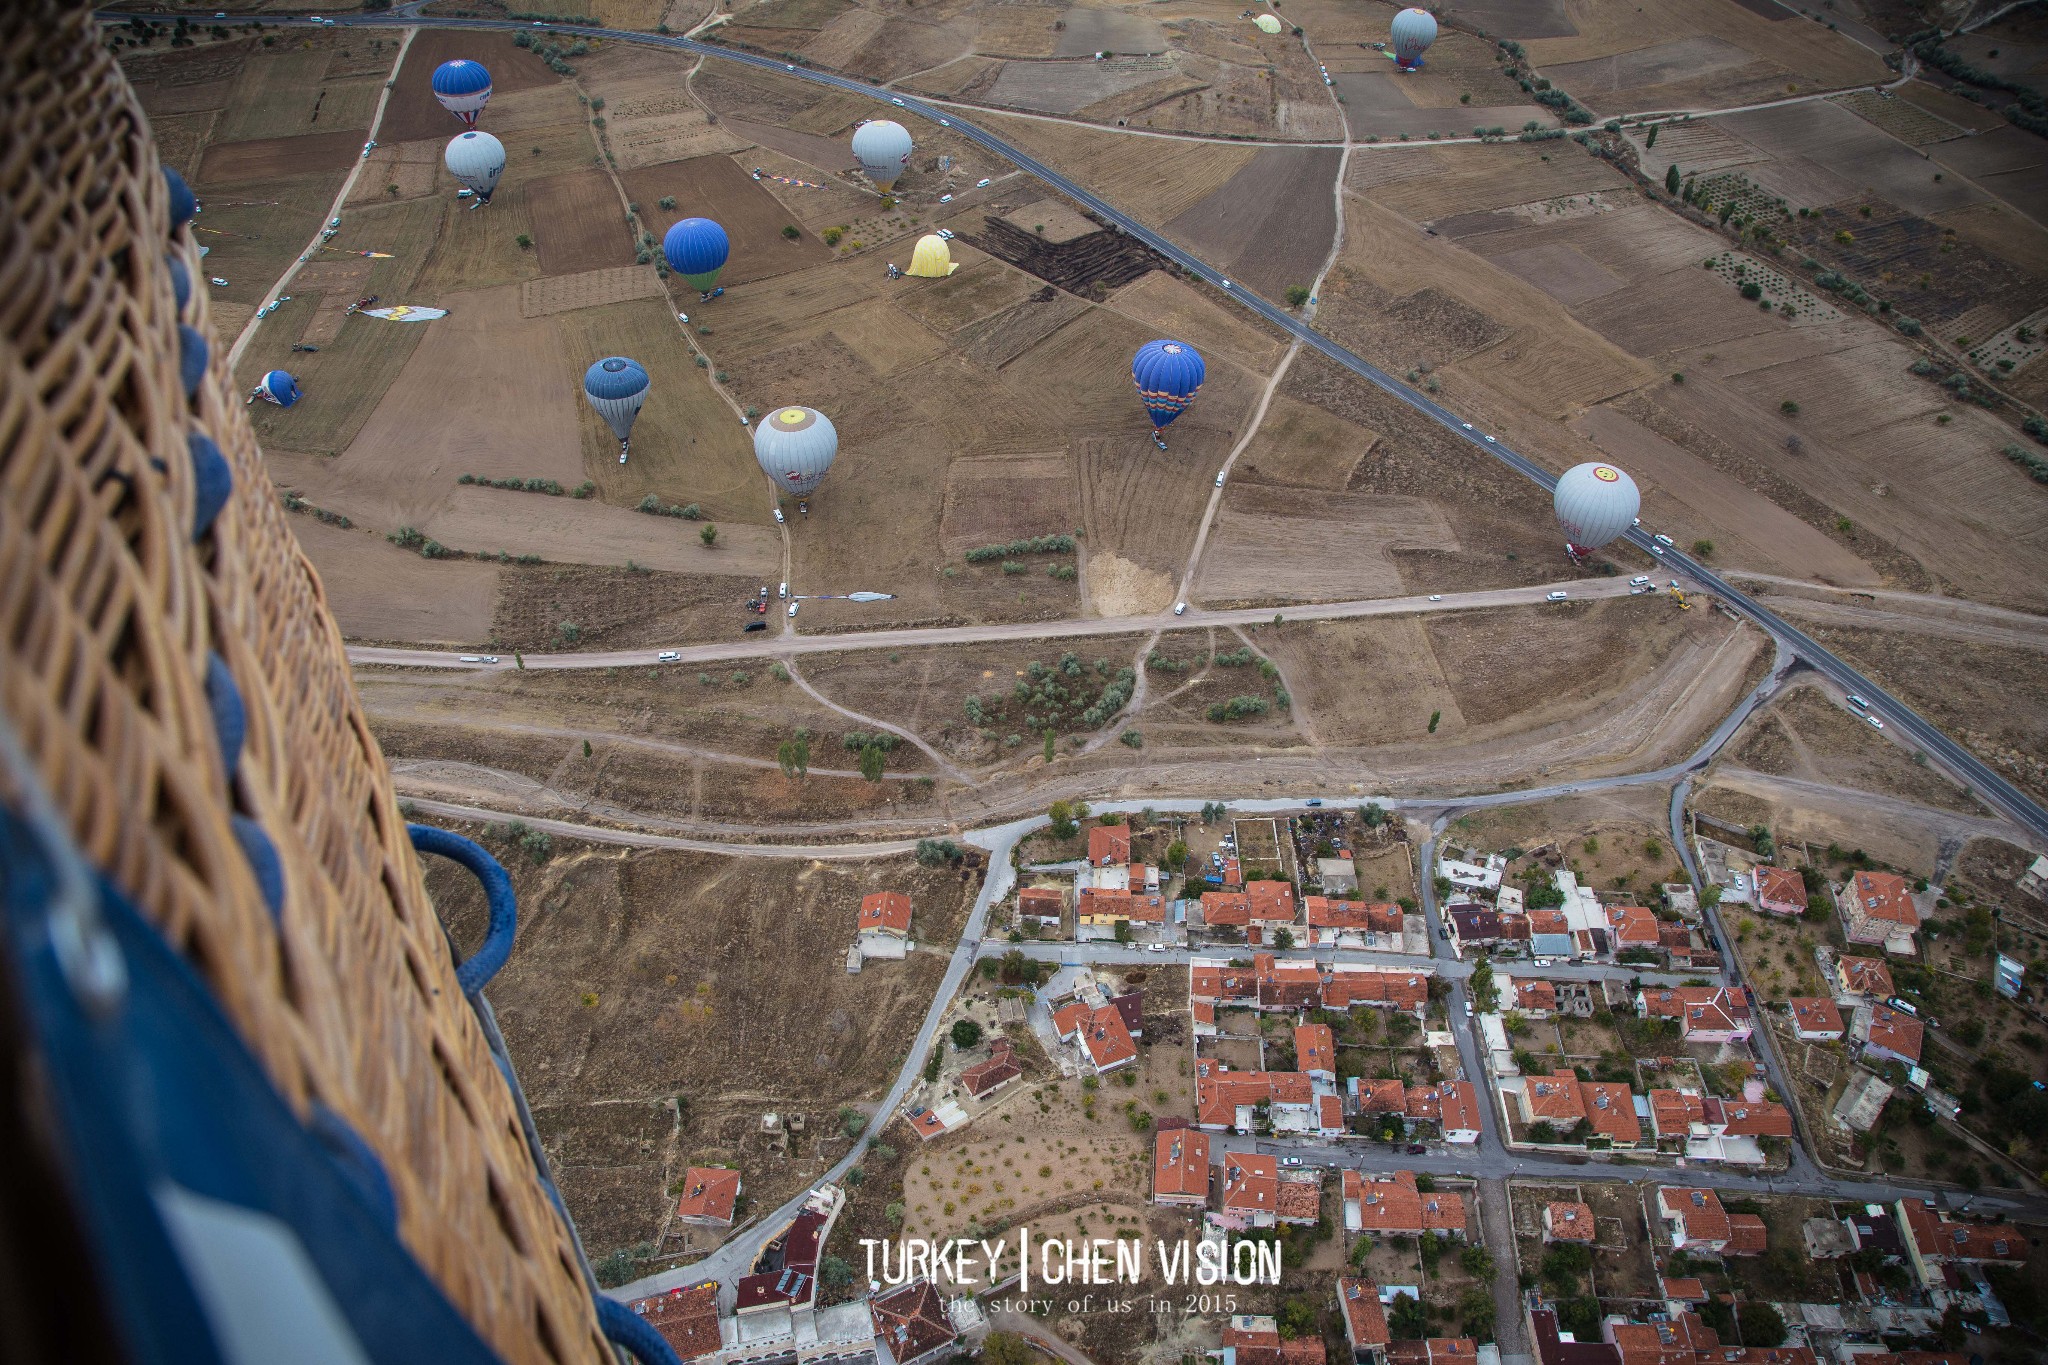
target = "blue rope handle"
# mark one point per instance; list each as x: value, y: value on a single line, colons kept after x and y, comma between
x: 483, y: 964
x: 623, y: 1327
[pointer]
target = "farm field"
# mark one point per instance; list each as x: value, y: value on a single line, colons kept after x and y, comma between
x: 1803, y: 734
x: 633, y: 989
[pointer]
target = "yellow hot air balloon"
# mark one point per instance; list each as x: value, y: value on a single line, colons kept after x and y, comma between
x: 932, y: 260
x: 1267, y: 23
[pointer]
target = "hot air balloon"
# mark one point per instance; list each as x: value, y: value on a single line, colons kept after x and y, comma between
x: 1412, y: 32
x: 617, y: 387
x: 1595, y: 503
x: 463, y: 87
x: 794, y: 447
x: 1268, y: 23
x: 276, y: 387
x: 1167, y: 374
x: 696, y: 249
x: 933, y: 259
x: 477, y: 160
x: 883, y: 150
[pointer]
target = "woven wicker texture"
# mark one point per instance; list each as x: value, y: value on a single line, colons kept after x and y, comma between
x: 112, y: 611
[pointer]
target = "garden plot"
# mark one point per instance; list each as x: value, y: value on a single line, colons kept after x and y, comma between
x: 1903, y: 120
x: 1778, y: 289
x: 2014, y: 348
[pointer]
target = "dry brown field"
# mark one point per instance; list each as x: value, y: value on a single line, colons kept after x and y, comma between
x: 637, y: 984
x: 715, y: 187
x: 1803, y: 734
x: 1803, y: 54
x: 380, y: 592
x: 1147, y: 177
x: 274, y: 158
x: 1272, y: 224
x: 1273, y: 545
x: 1171, y: 306
x: 1018, y: 30
x: 578, y: 223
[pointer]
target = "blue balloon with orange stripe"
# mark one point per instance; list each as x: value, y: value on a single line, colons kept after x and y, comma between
x: 1167, y: 374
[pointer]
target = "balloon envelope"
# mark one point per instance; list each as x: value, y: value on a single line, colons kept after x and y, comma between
x: 696, y: 249
x: 477, y: 160
x: 883, y: 150
x: 1167, y: 374
x: 1413, y: 30
x: 1267, y: 23
x: 616, y: 387
x: 933, y: 259
x: 1595, y: 503
x: 463, y: 87
x: 794, y: 447
x: 278, y: 387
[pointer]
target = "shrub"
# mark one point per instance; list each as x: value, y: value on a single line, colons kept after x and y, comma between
x: 965, y: 1033
x: 708, y: 534
x: 1133, y: 739
x: 792, y: 232
x: 2036, y: 467
x: 1752, y: 290
x: 832, y: 235
x: 1434, y: 717
x: 1052, y: 544
x: 524, y: 240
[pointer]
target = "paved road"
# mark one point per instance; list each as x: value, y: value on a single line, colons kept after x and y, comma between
x: 765, y: 647
x: 1966, y: 766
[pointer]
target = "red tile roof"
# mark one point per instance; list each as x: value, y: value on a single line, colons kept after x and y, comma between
x: 1070, y: 1017
x: 1554, y: 1098
x: 911, y: 1320
x: 1688, y: 1289
x: 1399, y: 988
x: 1634, y: 926
x: 686, y: 1318
x: 1705, y: 1219
x: 1566, y: 1221
x: 1224, y: 984
x: 1107, y: 1040
x: 1315, y: 1048
x: 1460, y: 1102
x: 1747, y: 1235
x: 1865, y: 976
x: 1548, y: 922
x: 886, y: 911
x: 1262, y: 1345
x: 1435, y: 1351
x: 1272, y: 901
x: 1611, y: 1108
x: 1109, y: 845
x: 1781, y: 890
x: 1045, y: 902
x: 1001, y: 1066
x: 1885, y: 896
x: 1382, y: 1096
x: 1287, y: 984
x: 1330, y: 1112
x: 1672, y: 1112
x: 1942, y: 1238
x: 1301, y: 1199
x: 1899, y: 1034
x: 1699, y: 1009
x: 709, y: 1193
x: 1758, y: 1118
x: 1251, y: 1182
x: 1390, y: 1205
x: 1180, y: 1162
x: 1219, y: 1094
x: 1535, y: 995
x: 1376, y: 918
x: 1363, y: 1312
x: 1816, y: 1014
x: 1137, y: 906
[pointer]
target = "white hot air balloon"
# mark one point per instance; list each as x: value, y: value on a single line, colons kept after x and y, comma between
x: 1595, y: 503
x: 794, y: 447
x: 1412, y: 31
x: 883, y: 150
x: 1268, y: 24
x: 477, y: 160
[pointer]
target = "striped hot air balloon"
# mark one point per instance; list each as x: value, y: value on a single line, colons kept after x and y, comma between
x: 277, y: 387
x: 1167, y: 374
x: 463, y: 87
x: 697, y: 249
x: 617, y: 387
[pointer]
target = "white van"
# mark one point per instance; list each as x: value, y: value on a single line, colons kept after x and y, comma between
x: 1554, y: 597
x: 1641, y: 580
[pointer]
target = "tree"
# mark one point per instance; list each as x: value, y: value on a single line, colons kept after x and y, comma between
x: 1296, y: 1318
x: 1283, y: 939
x: 1670, y: 176
x: 1485, y: 994
x: 1409, y: 1320
x: 1434, y: 717
x: 1580, y: 1317
x: 1374, y: 815
x: 792, y: 232
x: 1651, y: 140
x: 1007, y: 1348
x: 708, y: 534
x: 1477, y: 1262
x: 835, y: 1273
x: 524, y: 240
x: 1123, y: 931
x: 1476, y: 1313
x: 1760, y: 1324
x: 938, y: 1054
x: 871, y: 759
x: 1297, y: 295
x: 965, y: 1033
x: 1048, y: 743
x: 1176, y: 855
x: 1064, y: 823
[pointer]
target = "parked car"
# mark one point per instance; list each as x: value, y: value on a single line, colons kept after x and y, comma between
x: 1290, y: 1161
x: 1436, y: 597
x: 1416, y: 1149
x: 1557, y: 596
x: 945, y: 234
x: 1876, y: 722
x: 750, y: 627
x: 668, y: 656
x: 1663, y: 539
x: 1219, y: 478
x: 793, y: 606
x: 981, y: 184
x: 779, y: 518
x: 470, y: 659
x: 1180, y: 609
x: 1858, y: 702
x: 945, y: 199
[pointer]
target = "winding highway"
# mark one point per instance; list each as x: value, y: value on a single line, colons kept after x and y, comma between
x: 1964, y: 765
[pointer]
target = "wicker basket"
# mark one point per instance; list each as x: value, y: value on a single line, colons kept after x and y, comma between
x: 116, y: 615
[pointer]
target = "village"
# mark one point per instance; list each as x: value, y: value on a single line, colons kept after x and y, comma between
x: 1311, y: 1034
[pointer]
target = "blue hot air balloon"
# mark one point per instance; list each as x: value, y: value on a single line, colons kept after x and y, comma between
x: 696, y: 249
x: 616, y: 387
x: 463, y: 87
x: 277, y: 387
x: 1167, y: 374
